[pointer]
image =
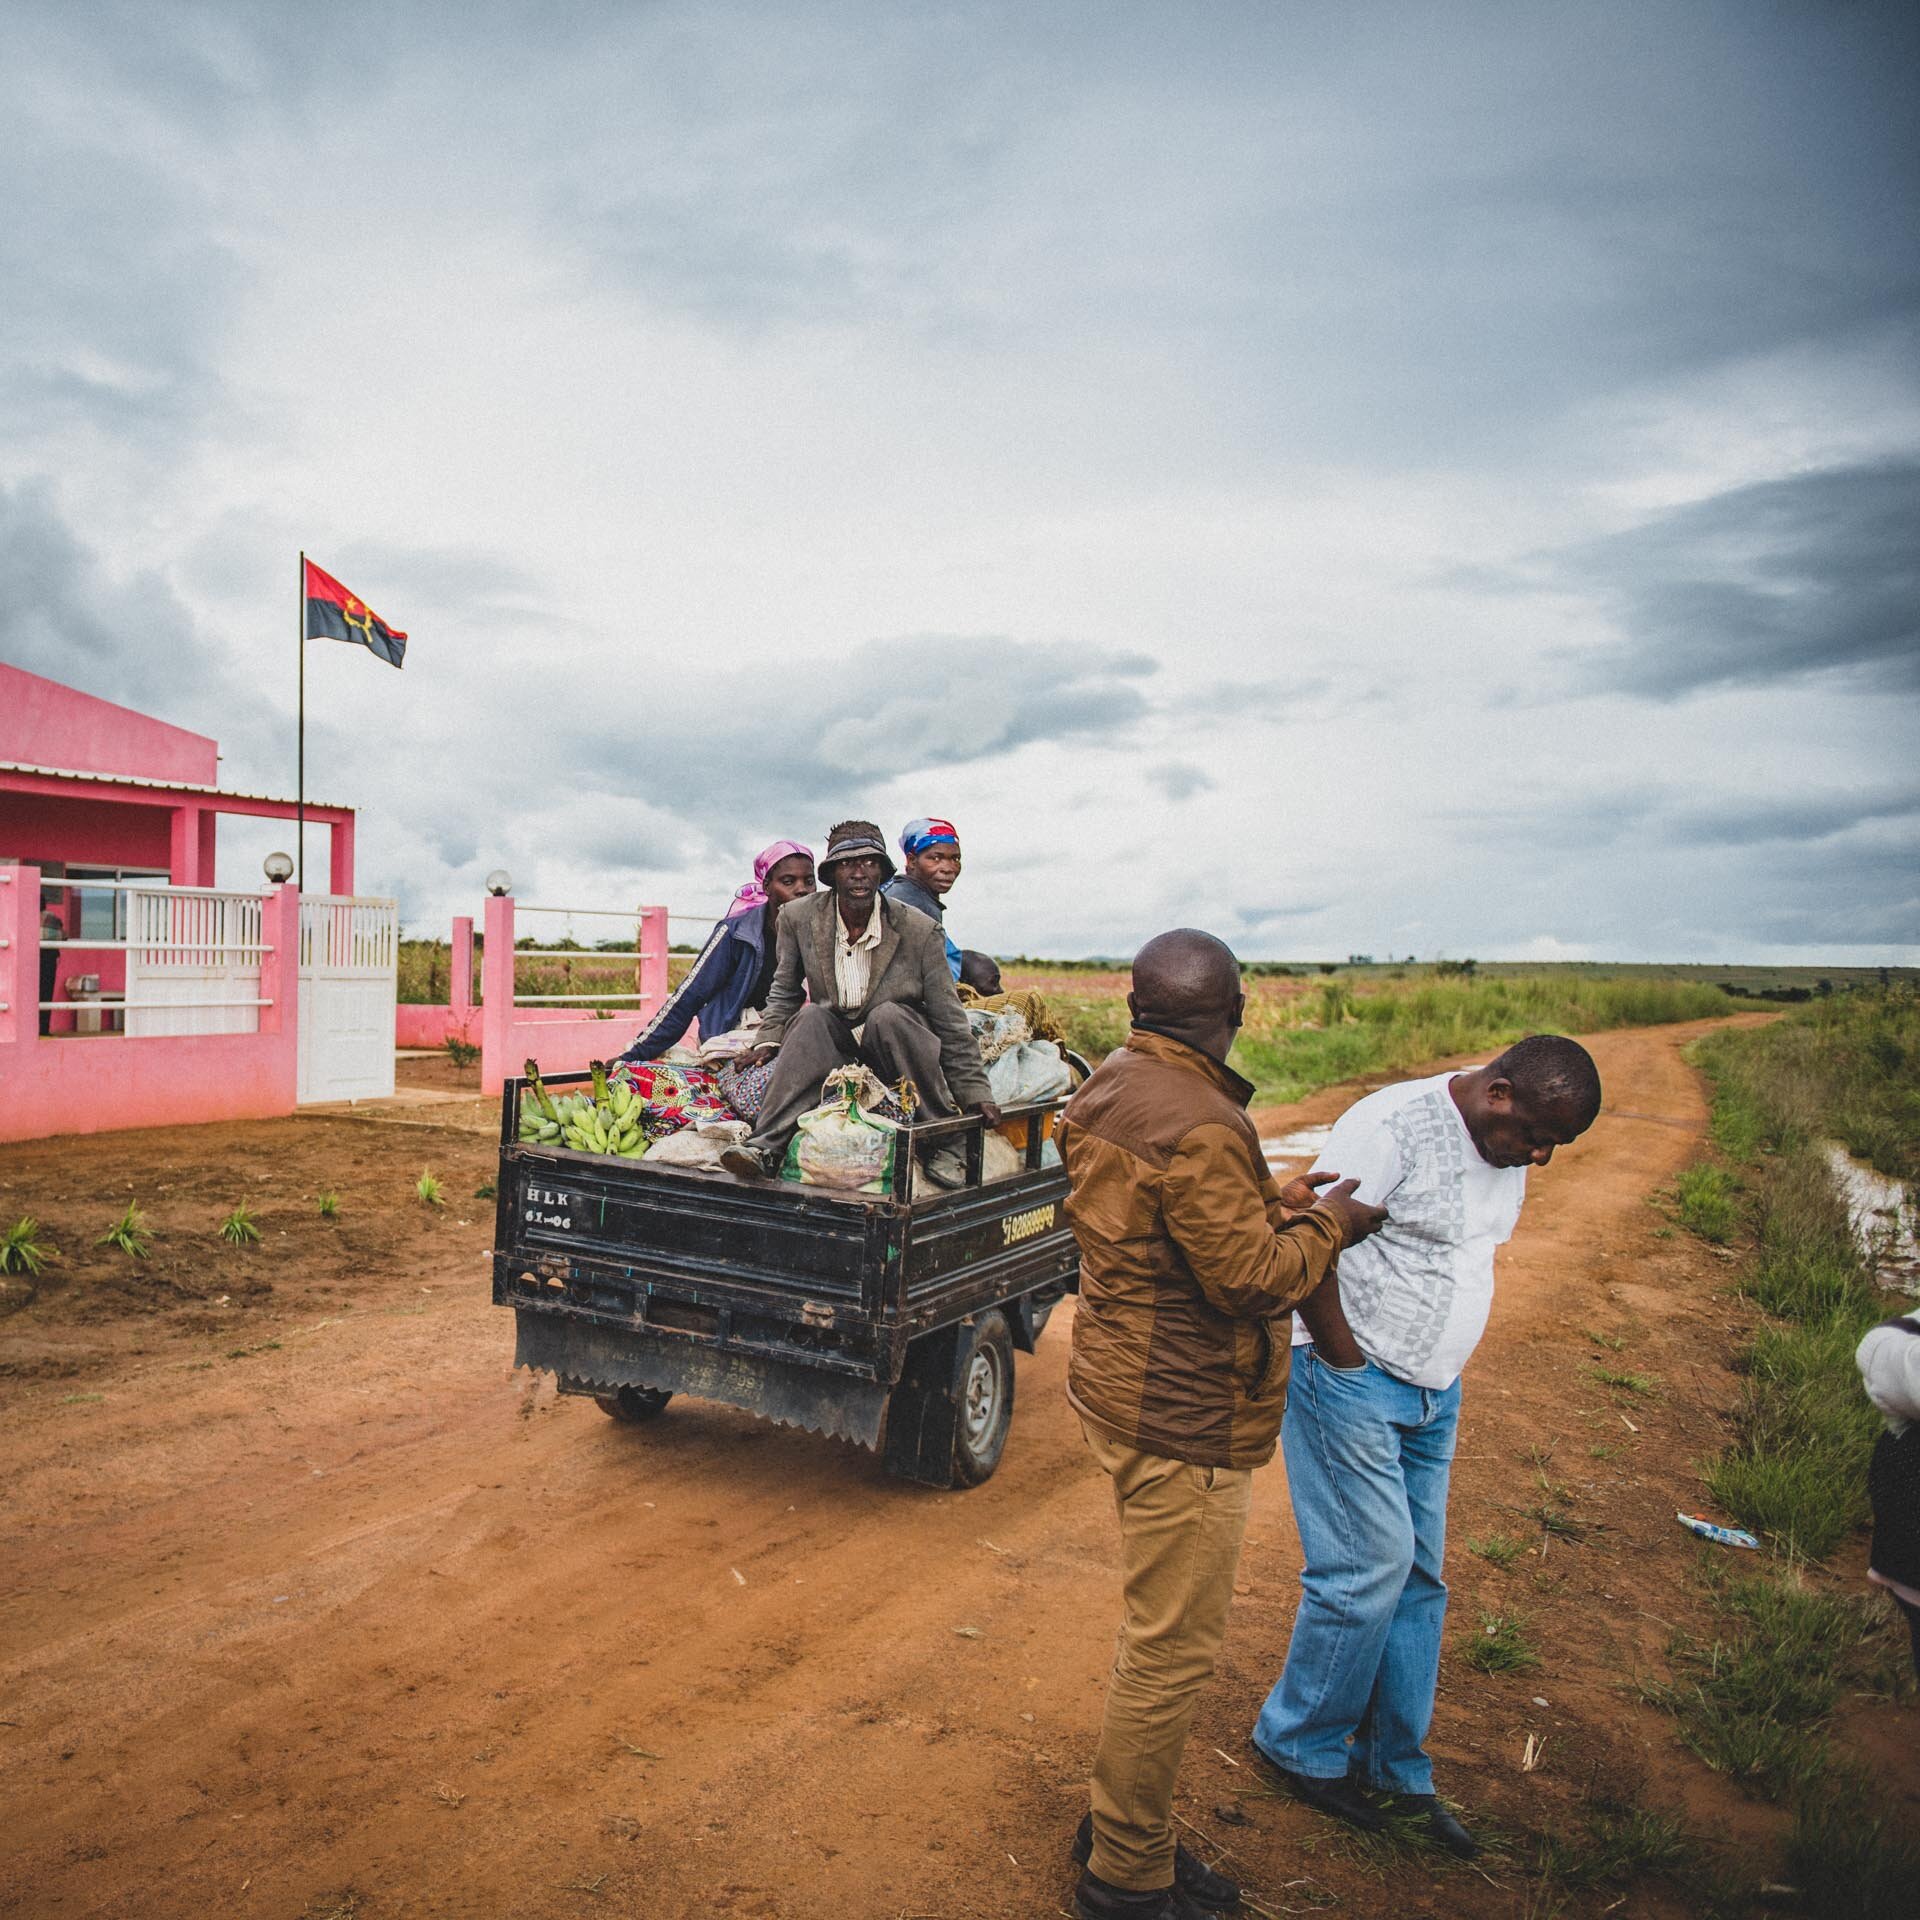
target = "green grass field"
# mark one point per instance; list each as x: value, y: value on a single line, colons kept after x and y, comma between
x: 1303, y: 1033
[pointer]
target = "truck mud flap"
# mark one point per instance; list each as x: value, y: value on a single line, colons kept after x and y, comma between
x: 796, y: 1396
x: 925, y: 1417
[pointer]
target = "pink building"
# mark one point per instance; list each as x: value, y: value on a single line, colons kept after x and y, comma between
x: 94, y: 791
x: 122, y: 966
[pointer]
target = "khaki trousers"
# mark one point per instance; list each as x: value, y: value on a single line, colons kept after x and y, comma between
x: 1180, y: 1533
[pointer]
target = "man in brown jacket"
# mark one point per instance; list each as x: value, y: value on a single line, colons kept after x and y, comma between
x: 1190, y: 1259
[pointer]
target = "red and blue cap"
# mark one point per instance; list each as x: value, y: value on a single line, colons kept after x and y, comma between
x: 918, y: 835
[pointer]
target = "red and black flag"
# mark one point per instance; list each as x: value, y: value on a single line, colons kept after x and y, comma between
x: 334, y: 614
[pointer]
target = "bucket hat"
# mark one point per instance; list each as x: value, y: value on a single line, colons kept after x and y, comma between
x: 852, y: 837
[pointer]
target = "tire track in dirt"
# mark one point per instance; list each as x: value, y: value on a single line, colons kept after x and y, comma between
x: 396, y: 1629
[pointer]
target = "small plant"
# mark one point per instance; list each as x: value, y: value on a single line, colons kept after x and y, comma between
x: 1708, y: 1205
x: 238, y: 1229
x: 1500, y: 1646
x: 427, y: 1190
x: 1613, y: 1342
x: 1563, y: 1526
x: 1497, y: 1549
x: 329, y: 1205
x: 1639, y: 1384
x: 129, y: 1234
x: 23, y: 1251
x: 485, y: 1190
x: 1601, y: 1451
x: 463, y: 1053
x: 1616, y: 1845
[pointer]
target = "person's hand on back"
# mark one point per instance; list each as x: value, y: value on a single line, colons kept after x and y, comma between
x: 1357, y: 1219
x: 1299, y: 1194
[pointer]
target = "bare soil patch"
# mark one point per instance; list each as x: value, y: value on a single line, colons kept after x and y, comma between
x: 311, y: 1606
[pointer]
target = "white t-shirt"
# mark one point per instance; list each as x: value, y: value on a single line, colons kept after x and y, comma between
x: 1418, y: 1292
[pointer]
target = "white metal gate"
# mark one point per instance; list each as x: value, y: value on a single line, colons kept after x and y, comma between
x: 349, y: 954
x: 193, y: 961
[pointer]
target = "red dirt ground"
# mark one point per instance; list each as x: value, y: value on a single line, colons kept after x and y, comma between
x: 312, y: 1608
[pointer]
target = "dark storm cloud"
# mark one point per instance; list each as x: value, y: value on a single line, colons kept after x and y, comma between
x: 1817, y: 574
x: 115, y: 293
x: 63, y: 615
x: 1853, y: 895
x: 1253, y: 918
x: 807, y: 742
x: 1737, y: 822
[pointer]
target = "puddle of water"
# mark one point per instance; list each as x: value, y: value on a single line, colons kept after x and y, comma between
x: 1301, y: 1144
x: 1882, y: 1217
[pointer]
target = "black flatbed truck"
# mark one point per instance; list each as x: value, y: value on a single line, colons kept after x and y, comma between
x: 888, y: 1319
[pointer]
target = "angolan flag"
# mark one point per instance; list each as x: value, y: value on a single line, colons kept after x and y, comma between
x: 335, y: 614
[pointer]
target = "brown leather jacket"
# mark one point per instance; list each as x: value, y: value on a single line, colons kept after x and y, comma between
x: 1189, y: 1265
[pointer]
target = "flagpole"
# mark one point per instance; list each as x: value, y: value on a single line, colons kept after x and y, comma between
x: 300, y: 625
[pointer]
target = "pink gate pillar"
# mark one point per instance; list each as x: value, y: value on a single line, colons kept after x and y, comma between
x: 561, y: 1039
x: 19, y: 955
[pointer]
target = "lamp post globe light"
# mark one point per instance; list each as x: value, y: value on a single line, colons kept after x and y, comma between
x: 499, y: 881
x: 278, y: 868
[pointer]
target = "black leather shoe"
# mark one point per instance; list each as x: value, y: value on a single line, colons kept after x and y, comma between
x: 1212, y: 1891
x: 1094, y: 1899
x: 1344, y: 1798
x: 1439, y: 1825
x: 747, y: 1161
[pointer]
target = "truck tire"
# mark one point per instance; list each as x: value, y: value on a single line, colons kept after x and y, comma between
x: 983, y: 1382
x: 947, y: 1420
x: 633, y: 1405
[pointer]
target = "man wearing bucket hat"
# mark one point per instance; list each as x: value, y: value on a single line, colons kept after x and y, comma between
x: 931, y: 849
x: 859, y: 977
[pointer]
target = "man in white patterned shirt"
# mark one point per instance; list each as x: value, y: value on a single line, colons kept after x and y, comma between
x: 1370, y: 1421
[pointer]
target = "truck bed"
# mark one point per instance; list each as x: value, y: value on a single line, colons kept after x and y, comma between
x: 795, y: 1301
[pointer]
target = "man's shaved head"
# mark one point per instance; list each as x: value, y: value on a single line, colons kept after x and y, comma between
x: 1185, y: 976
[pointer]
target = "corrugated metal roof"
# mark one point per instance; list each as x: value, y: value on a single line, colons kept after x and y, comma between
x: 163, y: 786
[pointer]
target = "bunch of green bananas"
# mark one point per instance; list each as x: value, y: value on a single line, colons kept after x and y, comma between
x: 607, y: 1120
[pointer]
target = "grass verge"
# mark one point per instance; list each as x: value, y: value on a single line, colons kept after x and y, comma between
x: 1756, y: 1703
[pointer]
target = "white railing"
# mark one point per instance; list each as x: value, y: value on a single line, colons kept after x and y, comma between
x: 193, y: 961
x: 583, y: 954
x: 342, y: 931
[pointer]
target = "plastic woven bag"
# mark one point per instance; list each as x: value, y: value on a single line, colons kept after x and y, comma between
x: 1029, y: 1070
x: 839, y: 1143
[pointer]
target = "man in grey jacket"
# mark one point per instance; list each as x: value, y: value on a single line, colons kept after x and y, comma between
x: 859, y: 977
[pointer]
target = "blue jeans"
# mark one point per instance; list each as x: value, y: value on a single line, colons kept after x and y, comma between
x: 1368, y: 1458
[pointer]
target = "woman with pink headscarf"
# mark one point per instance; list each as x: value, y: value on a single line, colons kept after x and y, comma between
x: 735, y: 967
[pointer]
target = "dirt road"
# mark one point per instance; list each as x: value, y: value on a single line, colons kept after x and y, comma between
x: 362, y: 1624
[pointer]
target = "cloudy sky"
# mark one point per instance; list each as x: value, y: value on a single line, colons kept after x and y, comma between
x: 1386, y: 478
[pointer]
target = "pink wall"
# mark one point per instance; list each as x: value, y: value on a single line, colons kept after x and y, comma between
x: 431, y: 1026
x: 434, y: 1026
x: 48, y: 725
x: 93, y: 833
x: 50, y: 1086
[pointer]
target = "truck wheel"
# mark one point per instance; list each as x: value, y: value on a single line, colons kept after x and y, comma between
x: 984, y: 1383
x: 632, y: 1405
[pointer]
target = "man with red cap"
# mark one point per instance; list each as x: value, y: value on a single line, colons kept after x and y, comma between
x: 932, y: 852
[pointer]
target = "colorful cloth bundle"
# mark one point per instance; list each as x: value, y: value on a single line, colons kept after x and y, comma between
x: 675, y: 1097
